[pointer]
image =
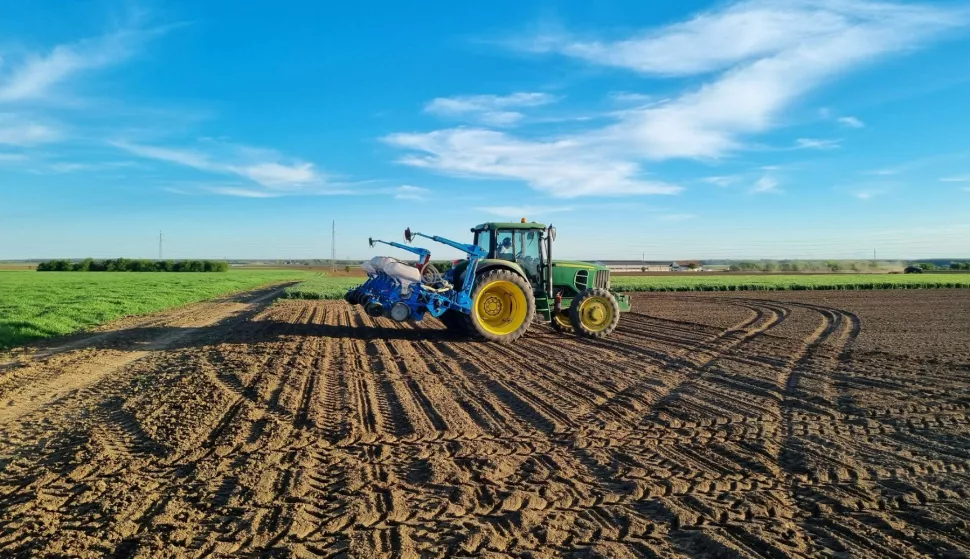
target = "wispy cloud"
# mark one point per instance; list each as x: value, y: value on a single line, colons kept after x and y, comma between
x: 267, y: 168
x: 721, y: 181
x: 244, y: 192
x: 410, y: 192
x: 882, y: 172
x: 674, y: 218
x: 816, y: 143
x: 789, y: 49
x: 850, y: 122
x: 629, y: 97
x: 766, y: 184
x: 36, y: 75
x: 492, y: 110
x: 516, y: 212
x: 964, y: 178
x: 866, y: 195
x: 561, y: 168
x: 12, y: 157
x: 17, y: 131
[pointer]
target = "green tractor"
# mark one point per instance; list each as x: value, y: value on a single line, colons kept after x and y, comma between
x: 518, y: 279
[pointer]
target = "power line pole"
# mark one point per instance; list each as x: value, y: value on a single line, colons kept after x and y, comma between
x: 159, y: 245
x: 333, y: 247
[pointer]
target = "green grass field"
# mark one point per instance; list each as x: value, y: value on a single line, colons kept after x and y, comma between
x: 323, y: 287
x: 35, y: 305
x: 785, y: 283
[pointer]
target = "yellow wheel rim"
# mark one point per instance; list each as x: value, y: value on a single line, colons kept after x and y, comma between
x: 562, y: 318
x: 501, y: 308
x: 596, y: 314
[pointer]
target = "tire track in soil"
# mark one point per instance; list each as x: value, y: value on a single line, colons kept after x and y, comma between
x: 629, y: 405
x: 352, y: 440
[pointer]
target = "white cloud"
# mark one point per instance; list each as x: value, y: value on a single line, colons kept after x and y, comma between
x: 721, y: 181
x: 815, y: 143
x: 517, y: 212
x: 276, y: 175
x: 628, y: 97
x: 850, y: 122
x: 965, y: 178
x: 882, y: 172
x: 244, y: 192
x: 35, y: 76
x: 865, y: 195
x: 266, y: 168
x: 788, y: 49
x: 750, y: 32
x: 493, y: 110
x: 17, y: 131
x: 765, y: 184
x: 409, y: 192
x: 564, y: 168
x: 756, y: 57
x: 676, y: 217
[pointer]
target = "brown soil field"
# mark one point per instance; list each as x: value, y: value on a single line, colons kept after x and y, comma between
x: 743, y: 425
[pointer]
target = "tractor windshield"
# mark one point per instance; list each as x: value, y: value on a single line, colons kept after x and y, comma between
x: 527, y: 253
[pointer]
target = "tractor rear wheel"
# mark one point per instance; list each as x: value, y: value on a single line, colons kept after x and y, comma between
x: 561, y: 322
x: 503, y: 306
x: 594, y: 313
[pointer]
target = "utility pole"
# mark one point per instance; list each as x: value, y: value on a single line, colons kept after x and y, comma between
x: 333, y: 247
x: 160, y: 245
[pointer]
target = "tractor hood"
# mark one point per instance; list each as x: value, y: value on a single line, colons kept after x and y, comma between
x: 578, y: 264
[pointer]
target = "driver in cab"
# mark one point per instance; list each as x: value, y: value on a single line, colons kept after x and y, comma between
x: 505, y: 250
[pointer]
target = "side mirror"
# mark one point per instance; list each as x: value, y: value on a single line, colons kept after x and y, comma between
x: 370, y: 241
x: 407, y: 235
x: 552, y: 233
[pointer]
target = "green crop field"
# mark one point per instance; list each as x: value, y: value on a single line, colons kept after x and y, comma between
x: 322, y: 286
x: 701, y: 282
x: 35, y: 305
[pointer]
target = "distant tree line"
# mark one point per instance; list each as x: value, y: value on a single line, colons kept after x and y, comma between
x: 804, y: 266
x: 931, y: 267
x: 132, y: 265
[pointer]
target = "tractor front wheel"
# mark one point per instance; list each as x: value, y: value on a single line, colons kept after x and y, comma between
x: 503, y: 306
x: 561, y: 322
x: 594, y: 313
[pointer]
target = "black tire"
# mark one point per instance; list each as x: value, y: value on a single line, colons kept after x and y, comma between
x: 454, y: 321
x: 594, y: 313
x: 503, y: 292
x: 562, y: 322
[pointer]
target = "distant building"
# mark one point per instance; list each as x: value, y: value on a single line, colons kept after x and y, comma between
x: 637, y: 266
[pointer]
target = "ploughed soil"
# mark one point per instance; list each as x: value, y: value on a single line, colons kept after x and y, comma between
x: 738, y: 424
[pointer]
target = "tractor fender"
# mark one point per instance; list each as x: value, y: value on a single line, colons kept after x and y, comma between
x: 487, y: 265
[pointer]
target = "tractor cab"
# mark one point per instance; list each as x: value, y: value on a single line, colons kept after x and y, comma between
x: 522, y: 244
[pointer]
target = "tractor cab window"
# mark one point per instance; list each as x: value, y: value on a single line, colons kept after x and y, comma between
x: 504, y: 246
x: 484, y: 240
x: 528, y: 252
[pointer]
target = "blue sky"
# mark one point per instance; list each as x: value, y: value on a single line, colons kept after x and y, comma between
x: 777, y: 129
